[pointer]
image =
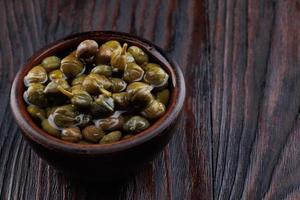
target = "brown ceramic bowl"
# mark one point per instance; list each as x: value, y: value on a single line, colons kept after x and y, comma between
x: 109, y: 161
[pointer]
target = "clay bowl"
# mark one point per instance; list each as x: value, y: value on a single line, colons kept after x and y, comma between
x: 100, y: 162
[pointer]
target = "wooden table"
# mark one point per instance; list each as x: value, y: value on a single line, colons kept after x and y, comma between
x: 239, y: 132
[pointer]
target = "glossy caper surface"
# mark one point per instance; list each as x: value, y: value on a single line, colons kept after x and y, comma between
x: 51, y: 63
x: 36, y: 75
x: 97, y: 94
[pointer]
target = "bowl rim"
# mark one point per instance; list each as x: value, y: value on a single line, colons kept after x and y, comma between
x: 34, y: 133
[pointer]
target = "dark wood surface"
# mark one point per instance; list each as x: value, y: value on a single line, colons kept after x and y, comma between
x: 239, y: 133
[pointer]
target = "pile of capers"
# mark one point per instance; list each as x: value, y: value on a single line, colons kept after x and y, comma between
x: 97, y: 95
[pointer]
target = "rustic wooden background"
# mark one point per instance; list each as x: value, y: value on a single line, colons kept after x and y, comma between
x: 239, y: 132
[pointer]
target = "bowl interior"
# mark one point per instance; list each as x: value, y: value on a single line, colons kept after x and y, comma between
x: 61, y: 48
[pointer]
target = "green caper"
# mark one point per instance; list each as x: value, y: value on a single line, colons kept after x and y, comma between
x: 104, y: 70
x: 111, y: 86
x: 49, y: 128
x: 118, y: 85
x: 102, y: 105
x: 154, y: 110
x: 64, y: 116
x: 105, y: 52
x: 141, y: 98
x: 92, y: 133
x: 52, y: 87
x: 95, y: 83
x: 103, y: 56
x: 140, y: 93
x: 120, y: 58
x: 111, y: 137
x: 56, y: 74
x: 51, y: 63
x: 87, y: 49
x: 79, y: 97
x: 78, y: 80
x: 139, y: 55
x: 156, y: 76
x: 133, y: 72
x: 136, y: 124
x: 36, y: 75
x: 121, y: 99
x: 71, y: 66
x: 147, y: 66
x: 135, y: 86
x: 35, y: 95
x: 112, y: 44
x: 163, y: 96
x: 110, y: 123
x: 72, y: 134
x: 36, y: 112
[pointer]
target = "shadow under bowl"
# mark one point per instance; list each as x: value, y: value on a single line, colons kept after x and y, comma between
x: 100, y: 162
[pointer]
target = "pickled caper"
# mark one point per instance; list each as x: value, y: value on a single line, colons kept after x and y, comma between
x: 111, y: 137
x: 156, y: 76
x: 105, y: 52
x: 139, y: 55
x: 36, y: 75
x: 72, y: 134
x: 56, y: 74
x: 87, y: 49
x: 92, y: 133
x: 120, y: 57
x: 95, y: 94
x: 117, y: 85
x: 71, y: 66
x: 136, y: 124
x: 154, y: 110
x: 51, y: 63
x: 133, y: 72
x: 36, y: 112
x: 35, y: 95
x: 95, y: 83
x: 105, y: 70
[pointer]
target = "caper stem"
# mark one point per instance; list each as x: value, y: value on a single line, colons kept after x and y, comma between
x: 65, y: 92
x: 105, y: 92
x: 124, y: 48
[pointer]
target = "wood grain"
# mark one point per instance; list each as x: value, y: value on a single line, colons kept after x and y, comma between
x: 255, y: 98
x: 182, y: 170
x: 238, y: 134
